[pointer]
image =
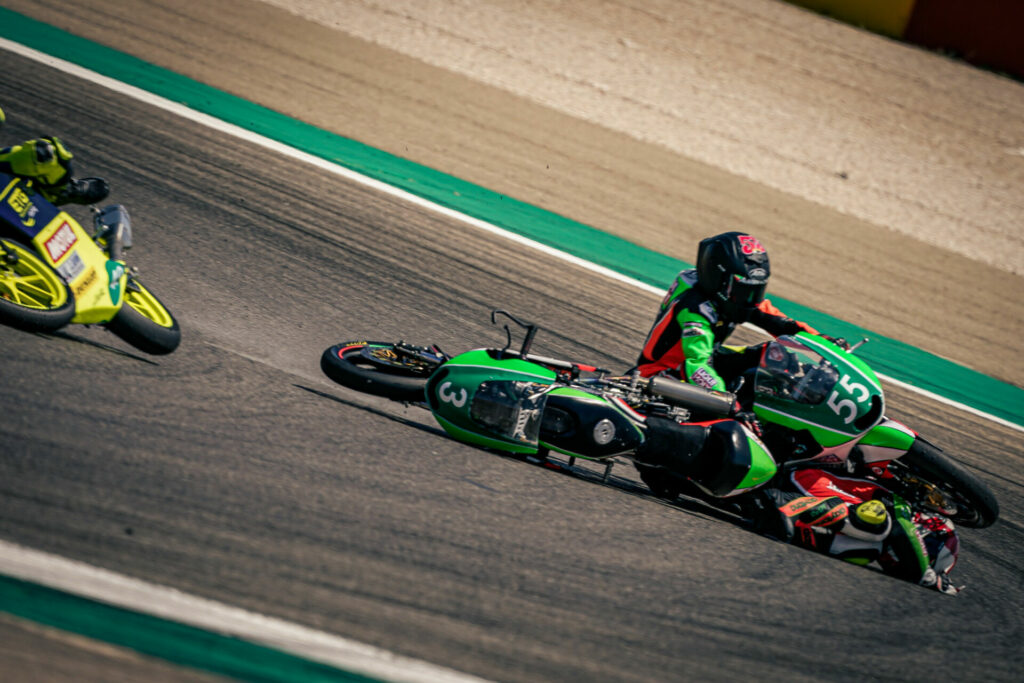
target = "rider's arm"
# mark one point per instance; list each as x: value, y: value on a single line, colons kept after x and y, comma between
x: 698, y: 342
x: 774, y: 322
x: 46, y: 160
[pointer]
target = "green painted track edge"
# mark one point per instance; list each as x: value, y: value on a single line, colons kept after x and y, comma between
x: 887, y: 356
x: 167, y: 640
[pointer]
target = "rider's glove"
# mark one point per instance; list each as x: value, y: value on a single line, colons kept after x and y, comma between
x: 83, y: 191
x: 746, y: 418
x: 749, y: 420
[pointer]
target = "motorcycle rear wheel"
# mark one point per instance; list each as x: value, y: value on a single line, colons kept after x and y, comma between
x: 380, y: 368
x: 975, y: 503
x: 33, y: 296
x: 144, y: 322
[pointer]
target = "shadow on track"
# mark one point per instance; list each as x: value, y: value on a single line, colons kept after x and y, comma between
x: 99, y: 345
x: 691, y: 506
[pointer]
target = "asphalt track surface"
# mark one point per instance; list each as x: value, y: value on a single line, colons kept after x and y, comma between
x: 234, y: 470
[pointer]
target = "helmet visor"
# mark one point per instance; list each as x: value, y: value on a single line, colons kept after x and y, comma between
x: 747, y: 293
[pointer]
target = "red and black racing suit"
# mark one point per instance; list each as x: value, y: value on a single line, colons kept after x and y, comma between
x: 819, y: 509
x: 686, y: 339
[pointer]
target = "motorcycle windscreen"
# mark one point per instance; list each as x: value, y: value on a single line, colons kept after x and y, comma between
x: 509, y: 410
x: 790, y: 371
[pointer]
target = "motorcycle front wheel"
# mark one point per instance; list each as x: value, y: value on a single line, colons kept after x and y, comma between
x: 144, y: 322
x: 937, y: 476
x: 33, y: 296
x: 395, y: 371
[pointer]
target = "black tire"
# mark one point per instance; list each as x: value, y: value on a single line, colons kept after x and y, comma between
x: 144, y: 322
x: 45, y: 307
x: 976, y: 505
x: 394, y: 371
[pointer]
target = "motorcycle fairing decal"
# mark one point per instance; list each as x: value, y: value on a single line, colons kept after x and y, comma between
x: 83, y: 286
x: 19, y: 208
x: 72, y: 267
x: 116, y: 275
x: 482, y: 399
x: 83, y: 265
x: 60, y: 242
x: 825, y: 436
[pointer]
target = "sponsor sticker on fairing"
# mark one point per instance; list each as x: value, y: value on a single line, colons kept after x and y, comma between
x: 71, y: 268
x: 60, y: 242
x: 85, y: 284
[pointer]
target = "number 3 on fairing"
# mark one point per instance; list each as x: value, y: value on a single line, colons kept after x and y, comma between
x: 838, y: 407
x: 457, y: 399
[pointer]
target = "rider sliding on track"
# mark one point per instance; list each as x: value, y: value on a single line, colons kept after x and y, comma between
x: 858, y: 521
x: 853, y: 519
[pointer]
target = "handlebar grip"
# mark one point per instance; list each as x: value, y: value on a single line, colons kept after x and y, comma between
x: 692, y: 396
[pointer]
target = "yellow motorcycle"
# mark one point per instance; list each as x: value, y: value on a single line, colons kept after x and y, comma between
x: 53, y: 272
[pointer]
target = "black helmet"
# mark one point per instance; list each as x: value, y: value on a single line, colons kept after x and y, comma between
x: 732, y: 269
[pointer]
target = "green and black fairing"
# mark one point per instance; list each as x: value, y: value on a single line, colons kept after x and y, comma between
x: 488, y: 400
x: 491, y: 399
x: 721, y: 457
x: 814, y: 399
x: 587, y: 425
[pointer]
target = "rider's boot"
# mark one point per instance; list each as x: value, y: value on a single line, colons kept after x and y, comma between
x: 762, y: 508
x: 806, y: 521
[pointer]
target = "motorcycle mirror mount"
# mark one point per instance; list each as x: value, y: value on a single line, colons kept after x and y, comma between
x: 856, y: 346
x: 530, y: 328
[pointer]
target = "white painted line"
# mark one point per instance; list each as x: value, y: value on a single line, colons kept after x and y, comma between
x: 115, y: 589
x: 273, y: 145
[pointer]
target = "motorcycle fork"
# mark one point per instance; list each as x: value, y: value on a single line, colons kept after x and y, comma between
x: 927, y: 494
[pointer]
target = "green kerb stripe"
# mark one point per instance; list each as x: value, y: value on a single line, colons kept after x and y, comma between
x: 887, y: 356
x: 166, y: 640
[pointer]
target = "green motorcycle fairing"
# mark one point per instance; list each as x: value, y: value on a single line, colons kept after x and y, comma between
x: 586, y: 424
x: 732, y: 460
x: 762, y: 467
x: 886, y: 441
x: 807, y: 384
x: 483, y: 399
x: 509, y: 404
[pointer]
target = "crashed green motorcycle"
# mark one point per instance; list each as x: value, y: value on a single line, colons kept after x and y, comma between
x: 819, y: 405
